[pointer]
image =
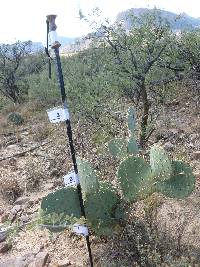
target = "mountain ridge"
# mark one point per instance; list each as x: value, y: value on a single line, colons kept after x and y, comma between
x: 177, y: 21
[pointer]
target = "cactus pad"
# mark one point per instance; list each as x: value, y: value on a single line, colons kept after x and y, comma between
x: 118, y: 148
x: 100, y: 209
x: 181, y: 182
x: 131, y: 120
x: 134, y: 177
x: 160, y: 163
x: 132, y: 146
x: 88, y: 178
x: 64, y: 203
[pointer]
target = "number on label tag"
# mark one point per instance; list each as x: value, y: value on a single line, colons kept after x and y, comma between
x: 71, y: 179
x: 80, y: 229
x: 58, y: 114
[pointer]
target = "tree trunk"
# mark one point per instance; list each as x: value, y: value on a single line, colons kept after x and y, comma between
x: 145, y: 115
x: 14, y: 94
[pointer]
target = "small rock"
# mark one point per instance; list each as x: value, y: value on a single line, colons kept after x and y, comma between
x: 41, y: 259
x: 174, y: 132
x: 9, y: 263
x: 54, y: 172
x: 20, y: 261
x: 193, y: 136
x: 22, y: 200
x: 16, y: 209
x: 2, y: 236
x: 1, y: 211
x: 196, y: 154
x: 25, y: 133
x: 64, y: 263
x: 182, y: 109
x: 4, y: 218
x: 4, y: 247
x: 24, y: 218
x: 191, y: 145
x: 15, y: 147
x: 169, y: 146
x: 173, y: 103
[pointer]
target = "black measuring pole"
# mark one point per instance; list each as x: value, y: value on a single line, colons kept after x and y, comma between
x: 55, y: 47
x: 71, y: 144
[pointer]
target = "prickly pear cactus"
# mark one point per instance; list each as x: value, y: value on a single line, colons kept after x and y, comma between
x: 101, y: 202
x: 131, y: 120
x: 181, y: 182
x: 132, y: 146
x: 160, y: 163
x: 103, y: 206
x: 137, y: 180
x: 118, y: 148
x: 134, y: 177
x: 64, y: 203
x: 88, y: 178
x: 100, y: 209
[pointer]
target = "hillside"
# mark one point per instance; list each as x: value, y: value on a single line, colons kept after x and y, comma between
x: 39, y: 171
x: 177, y: 21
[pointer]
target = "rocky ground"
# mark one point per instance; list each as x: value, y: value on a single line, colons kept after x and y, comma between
x: 34, y: 158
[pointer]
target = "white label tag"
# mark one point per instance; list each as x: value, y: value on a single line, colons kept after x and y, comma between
x: 80, y: 229
x: 58, y: 114
x: 53, y: 37
x: 71, y: 179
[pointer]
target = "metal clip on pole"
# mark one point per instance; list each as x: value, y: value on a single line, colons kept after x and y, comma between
x: 54, y: 43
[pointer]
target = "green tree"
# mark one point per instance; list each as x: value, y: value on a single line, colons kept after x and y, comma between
x: 90, y: 88
x: 189, y: 50
x: 16, y: 62
x: 137, y: 56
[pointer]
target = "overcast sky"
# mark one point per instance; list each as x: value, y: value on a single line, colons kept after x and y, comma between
x: 25, y: 19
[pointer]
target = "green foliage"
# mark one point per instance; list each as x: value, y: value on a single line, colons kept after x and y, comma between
x: 189, y: 49
x: 88, y: 178
x: 133, y: 176
x: 160, y: 164
x: 15, y: 118
x: 42, y: 88
x: 90, y: 84
x: 16, y: 63
x: 181, y: 182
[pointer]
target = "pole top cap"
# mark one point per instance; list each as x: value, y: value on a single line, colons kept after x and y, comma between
x: 52, y: 31
x: 52, y: 24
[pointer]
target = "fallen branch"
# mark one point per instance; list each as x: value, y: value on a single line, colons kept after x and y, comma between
x: 24, y: 152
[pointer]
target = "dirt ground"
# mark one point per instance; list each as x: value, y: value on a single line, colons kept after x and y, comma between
x: 32, y: 165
